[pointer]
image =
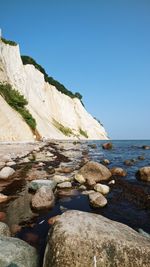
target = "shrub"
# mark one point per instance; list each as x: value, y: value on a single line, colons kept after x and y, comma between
x: 60, y: 87
x: 83, y: 133
x: 8, y: 42
x: 65, y: 130
x: 17, y: 102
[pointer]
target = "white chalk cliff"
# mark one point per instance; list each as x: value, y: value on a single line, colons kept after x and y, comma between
x: 45, y: 103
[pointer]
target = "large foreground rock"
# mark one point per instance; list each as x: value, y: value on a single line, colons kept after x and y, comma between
x: 17, y: 253
x: 83, y: 239
x: 93, y: 172
x: 144, y: 174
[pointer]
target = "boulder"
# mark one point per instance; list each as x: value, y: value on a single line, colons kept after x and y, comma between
x: 43, y: 199
x: 144, y: 174
x: 102, y: 188
x: 17, y: 253
x: 64, y: 185
x: 36, y: 184
x: 97, y: 200
x: 6, y: 172
x: 93, y: 172
x: 4, y: 230
x: 107, y: 146
x: 89, y: 240
x: 118, y: 171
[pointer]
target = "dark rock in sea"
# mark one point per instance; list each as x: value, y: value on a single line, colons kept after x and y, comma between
x: 107, y: 146
x: 146, y: 147
x: 129, y: 162
x: 84, y: 239
x: 144, y: 174
x: 141, y: 157
x: 118, y: 171
x: 93, y: 146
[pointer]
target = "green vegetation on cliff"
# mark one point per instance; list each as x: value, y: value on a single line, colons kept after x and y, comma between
x: 83, y: 133
x: 8, y: 42
x: 60, y: 87
x: 17, y: 102
x: 65, y: 130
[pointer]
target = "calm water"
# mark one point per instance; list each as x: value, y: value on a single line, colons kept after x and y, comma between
x: 127, y: 200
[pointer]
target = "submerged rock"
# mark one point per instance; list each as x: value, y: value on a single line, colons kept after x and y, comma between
x: 97, y: 200
x: 88, y: 240
x: 6, y: 172
x: 36, y: 184
x: 17, y: 253
x: 144, y: 174
x: 43, y: 199
x: 93, y: 172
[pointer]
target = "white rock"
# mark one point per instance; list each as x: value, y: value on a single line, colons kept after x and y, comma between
x: 101, y: 188
x: 60, y: 179
x: 79, y: 178
x: 10, y: 163
x: 3, y: 198
x: 6, y: 172
x: 64, y: 185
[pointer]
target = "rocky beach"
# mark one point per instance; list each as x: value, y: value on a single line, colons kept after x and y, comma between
x: 55, y: 197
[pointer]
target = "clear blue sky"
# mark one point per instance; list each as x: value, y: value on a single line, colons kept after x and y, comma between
x: 100, y: 48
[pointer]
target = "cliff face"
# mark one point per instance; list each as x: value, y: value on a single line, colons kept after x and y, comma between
x: 46, y: 104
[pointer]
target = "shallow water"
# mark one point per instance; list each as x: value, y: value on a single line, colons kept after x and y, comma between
x: 127, y: 200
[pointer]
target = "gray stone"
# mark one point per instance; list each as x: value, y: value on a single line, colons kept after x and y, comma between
x: 94, y: 172
x: 6, y: 172
x: 43, y: 199
x: 89, y: 240
x: 4, y: 229
x: 97, y: 200
x: 17, y: 253
x: 36, y: 184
